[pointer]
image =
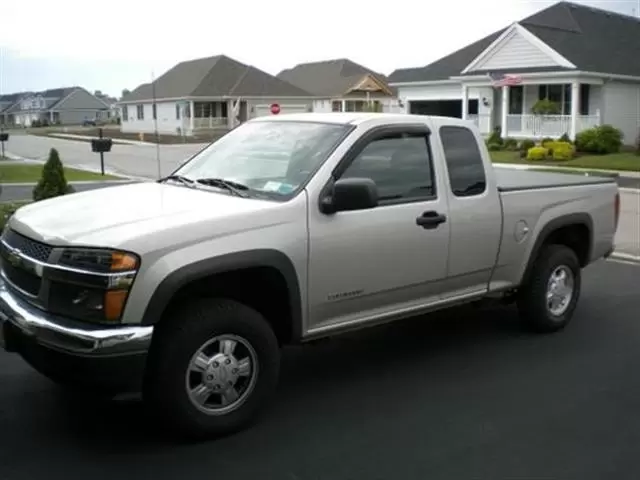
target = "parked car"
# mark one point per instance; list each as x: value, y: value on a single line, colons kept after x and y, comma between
x: 186, y: 289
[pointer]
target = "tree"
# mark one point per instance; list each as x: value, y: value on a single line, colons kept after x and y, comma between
x: 53, y: 182
x: 125, y: 92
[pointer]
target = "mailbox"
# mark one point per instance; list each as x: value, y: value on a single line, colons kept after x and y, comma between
x: 101, y: 145
x: 4, y: 136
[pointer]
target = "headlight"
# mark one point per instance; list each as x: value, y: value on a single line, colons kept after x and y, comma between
x: 92, y: 284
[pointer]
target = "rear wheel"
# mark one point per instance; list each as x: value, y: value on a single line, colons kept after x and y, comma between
x: 213, y: 369
x: 549, y: 298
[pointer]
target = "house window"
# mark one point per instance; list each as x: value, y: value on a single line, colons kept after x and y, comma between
x: 177, y: 111
x: 561, y: 94
x: 336, y: 106
x: 154, y: 110
x: 516, y: 100
x: 125, y: 113
x: 140, y: 112
x: 556, y: 94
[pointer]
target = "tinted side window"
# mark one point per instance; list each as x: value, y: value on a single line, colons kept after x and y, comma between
x: 464, y: 161
x: 399, y: 164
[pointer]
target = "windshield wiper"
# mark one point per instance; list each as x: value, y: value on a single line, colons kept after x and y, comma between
x: 178, y: 178
x: 233, y: 187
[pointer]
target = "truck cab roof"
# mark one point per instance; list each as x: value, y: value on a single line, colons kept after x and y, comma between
x: 358, y: 118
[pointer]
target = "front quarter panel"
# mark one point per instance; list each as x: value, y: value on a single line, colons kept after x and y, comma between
x: 281, y: 244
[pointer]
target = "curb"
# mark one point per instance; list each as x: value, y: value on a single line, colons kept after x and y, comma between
x: 626, y: 257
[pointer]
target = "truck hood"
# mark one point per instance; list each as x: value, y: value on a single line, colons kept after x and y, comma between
x: 110, y: 216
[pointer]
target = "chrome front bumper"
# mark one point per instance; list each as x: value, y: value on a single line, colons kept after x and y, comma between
x: 69, y: 336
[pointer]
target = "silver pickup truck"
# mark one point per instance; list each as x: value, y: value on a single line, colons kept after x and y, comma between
x: 288, y: 229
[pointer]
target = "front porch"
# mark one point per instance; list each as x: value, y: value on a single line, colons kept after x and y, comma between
x: 576, y: 107
x: 535, y: 126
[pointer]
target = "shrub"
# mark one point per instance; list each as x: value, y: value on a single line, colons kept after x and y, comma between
x: 510, y: 144
x: 638, y: 144
x: 495, y: 137
x: 494, y: 147
x: 537, y: 153
x: 546, y: 140
x: 562, y: 151
x: 565, y: 138
x: 53, y: 182
x: 545, y: 107
x: 525, y: 145
x: 601, y: 140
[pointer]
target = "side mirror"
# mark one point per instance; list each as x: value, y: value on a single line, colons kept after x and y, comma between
x: 350, y: 194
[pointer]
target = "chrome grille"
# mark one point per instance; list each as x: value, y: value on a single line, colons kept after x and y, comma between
x: 31, y: 248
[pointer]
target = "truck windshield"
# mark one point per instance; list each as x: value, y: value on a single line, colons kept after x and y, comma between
x: 272, y: 158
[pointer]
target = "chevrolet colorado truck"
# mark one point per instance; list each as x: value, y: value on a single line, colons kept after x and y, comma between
x: 287, y: 229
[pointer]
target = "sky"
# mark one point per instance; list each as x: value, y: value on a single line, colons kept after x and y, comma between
x: 46, y: 44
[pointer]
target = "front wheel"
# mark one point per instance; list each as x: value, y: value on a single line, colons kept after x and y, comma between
x: 212, y: 368
x: 549, y: 298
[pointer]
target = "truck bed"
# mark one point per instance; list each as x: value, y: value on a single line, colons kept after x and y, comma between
x: 511, y: 179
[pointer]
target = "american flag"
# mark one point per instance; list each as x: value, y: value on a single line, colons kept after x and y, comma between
x: 502, y: 79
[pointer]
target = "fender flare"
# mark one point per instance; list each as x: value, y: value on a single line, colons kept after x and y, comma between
x: 177, y: 279
x: 553, y: 225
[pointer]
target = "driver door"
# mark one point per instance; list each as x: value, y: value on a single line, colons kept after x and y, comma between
x: 365, y: 265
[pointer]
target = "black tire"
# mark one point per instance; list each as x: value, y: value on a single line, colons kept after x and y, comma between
x: 176, y: 340
x: 532, y: 296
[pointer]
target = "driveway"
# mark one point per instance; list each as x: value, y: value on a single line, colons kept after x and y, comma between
x: 132, y: 160
x: 628, y: 235
x: 465, y: 395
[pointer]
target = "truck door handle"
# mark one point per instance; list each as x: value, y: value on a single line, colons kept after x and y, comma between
x: 430, y: 219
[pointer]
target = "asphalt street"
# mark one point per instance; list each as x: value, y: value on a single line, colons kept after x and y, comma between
x: 131, y: 160
x: 464, y: 395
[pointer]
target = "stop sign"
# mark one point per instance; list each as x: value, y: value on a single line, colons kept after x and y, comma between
x: 275, y: 108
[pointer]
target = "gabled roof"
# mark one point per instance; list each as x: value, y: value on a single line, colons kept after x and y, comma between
x: 592, y: 39
x: 218, y: 76
x: 329, y: 78
x: 52, y: 97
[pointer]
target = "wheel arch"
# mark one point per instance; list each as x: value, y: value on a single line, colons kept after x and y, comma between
x: 568, y: 230
x: 232, y: 263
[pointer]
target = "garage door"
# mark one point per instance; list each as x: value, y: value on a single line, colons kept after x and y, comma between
x: 263, y: 110
x: 444, y: 108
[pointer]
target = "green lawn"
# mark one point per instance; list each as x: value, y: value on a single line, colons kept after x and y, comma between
x: 30, y: 173
x: 627, y: 162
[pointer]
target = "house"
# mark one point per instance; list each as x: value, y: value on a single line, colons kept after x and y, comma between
x: 583, y: 59
x: 213, y: 92
x: 62, y: 106
x: 342, y: 85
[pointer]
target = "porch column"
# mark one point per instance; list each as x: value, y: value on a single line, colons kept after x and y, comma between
x: 231, y: 118
x: 505, y: 111
x: 575, y: 109
x: 465, y: 102
x: 192, y: 114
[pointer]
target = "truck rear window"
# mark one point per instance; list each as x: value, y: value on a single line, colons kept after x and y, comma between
x: 464, y: 161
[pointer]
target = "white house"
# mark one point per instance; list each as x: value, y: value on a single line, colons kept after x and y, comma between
x: 208, y: 93
x: 341, y: 85
x: 565, y: 53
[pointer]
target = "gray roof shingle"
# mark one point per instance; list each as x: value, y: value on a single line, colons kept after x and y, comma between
x: 329, y: 78
x: 218, y: 76
x: 592, y: 39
